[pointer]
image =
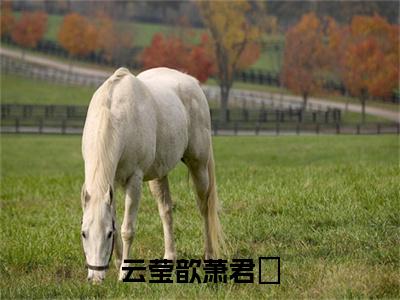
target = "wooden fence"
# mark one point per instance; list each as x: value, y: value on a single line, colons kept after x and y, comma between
x: 69, y: 119
x: 67, y: 126
x: 31, y: 70
x: 55, y: 113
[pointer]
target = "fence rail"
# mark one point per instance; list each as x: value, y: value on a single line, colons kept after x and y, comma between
x: 69, y: 119
x: 31, y: 70
x: 28, y: 113
x: 70, y: 127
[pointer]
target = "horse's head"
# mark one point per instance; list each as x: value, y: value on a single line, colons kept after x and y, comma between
x: 98, y: 229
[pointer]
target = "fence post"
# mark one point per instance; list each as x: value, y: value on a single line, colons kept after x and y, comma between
x: 235, y: 128
x: 4, y: 109
x: 317, y: 128
x: 40, y: 125
x: 277, y: 124
x: 64, y: 126
x: 215, y: 128
x: 245, y: 114
x: 300, y: 115
x: 398, y: 128
x: 16, y: 125
x: 298, y: 128
x: 257, y: 128
x: 358, y: 128
x: 337, y: 128
x: 262, y: 113
x: 378, y: 128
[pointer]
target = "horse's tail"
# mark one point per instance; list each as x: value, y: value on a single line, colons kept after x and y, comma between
x: 214, y: 225
x: 117, y: 76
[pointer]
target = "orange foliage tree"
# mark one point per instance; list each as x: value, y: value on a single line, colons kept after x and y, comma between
x: 304, y: 57
x: 29, y: 29
x: 111, y: 41
x: 6, y: 19
x: 78, y: 35
x: 172, y: 52
x: 368, y: 54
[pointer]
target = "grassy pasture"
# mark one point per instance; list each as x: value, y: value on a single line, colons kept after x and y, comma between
x: 20, y: 90
x: 327, y: 205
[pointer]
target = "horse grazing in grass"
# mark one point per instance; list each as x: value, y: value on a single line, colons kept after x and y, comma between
x: 138, y: 129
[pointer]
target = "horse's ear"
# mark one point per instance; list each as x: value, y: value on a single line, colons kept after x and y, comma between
x: 85, y: 197
x: 110, y: 195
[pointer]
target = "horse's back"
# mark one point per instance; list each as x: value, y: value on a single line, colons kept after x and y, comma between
x: 186, y: 87
x: 173, y: 122
x: 189, y: 93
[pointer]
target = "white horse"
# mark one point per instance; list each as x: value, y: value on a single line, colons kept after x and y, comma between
x: 138, y: 129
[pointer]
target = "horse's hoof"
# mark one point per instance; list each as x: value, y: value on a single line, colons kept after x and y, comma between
x: 118, y: 263
x: 97, y: 281
x: 122, y: 275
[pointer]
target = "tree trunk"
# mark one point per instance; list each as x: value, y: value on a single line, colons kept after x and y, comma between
x: 305, y: 99
x: 363, y: 109
x: 23, y: 53
x: 363, y: 100
x: 70, y: 64
x: 224, y: 103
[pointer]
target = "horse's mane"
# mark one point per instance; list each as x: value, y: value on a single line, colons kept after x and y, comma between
x: 101, y: 138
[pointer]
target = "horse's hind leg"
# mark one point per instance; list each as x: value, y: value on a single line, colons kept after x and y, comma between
x: 201, y: 179
x: 160, y: 190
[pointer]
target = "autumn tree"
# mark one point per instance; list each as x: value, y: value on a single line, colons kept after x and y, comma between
x: 304, y: 57
x: 174, y: 53
x: 231, y: 31
x: 7, y: 18
x: 111, y: 41
x: 29, y: 29
x: 77, y: 35
x: 367, y: 52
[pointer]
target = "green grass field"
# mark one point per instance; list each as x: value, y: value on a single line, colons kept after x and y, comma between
x: 327, y: 205
x: 21, y: 90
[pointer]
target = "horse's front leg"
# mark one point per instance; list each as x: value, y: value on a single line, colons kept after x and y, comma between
x: 160, y: 190
x: 132, y: 200
x: 117, y: 246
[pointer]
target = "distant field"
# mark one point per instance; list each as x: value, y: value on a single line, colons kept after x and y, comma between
x: 327, y: 205
x: 21, y: 90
